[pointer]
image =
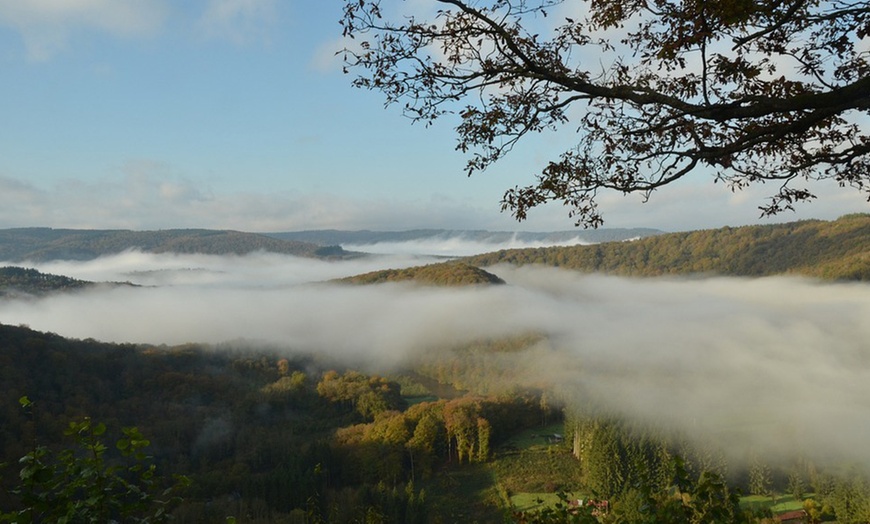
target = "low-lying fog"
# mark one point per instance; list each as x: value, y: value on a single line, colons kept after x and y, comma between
x: 778, y: 366
x: 450, y: 245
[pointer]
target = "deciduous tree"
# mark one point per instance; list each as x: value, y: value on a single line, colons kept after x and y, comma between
x: 745, y: 91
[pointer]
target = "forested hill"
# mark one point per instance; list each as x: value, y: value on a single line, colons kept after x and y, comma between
x: 19, y: 280
x: 443, y: 274
x: 41, y: 244
x: 836, y: 250
x: 329, y: 237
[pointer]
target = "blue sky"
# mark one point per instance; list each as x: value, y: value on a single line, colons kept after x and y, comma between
x: 148, y: 114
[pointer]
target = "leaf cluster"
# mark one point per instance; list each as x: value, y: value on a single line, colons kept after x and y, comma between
x: 81, y: 484
x: 745, y: 92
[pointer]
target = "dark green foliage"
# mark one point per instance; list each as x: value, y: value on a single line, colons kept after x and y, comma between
x: 684, y: 500
x: 82, y: 484
x: 849, y: 499
x: 836, y: 250
x: 616, y: 459
x: 229, y: 420
x: 249, y: 429
x: 369, y: 395
x: 260, y: 442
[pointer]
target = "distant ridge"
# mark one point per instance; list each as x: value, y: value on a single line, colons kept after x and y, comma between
x: 43, y: 244
x: 332, y: 237
x: 834, y: 250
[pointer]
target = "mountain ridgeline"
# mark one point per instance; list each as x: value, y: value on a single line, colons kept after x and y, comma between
x: 831, y: 250
x: 43, y: 244
x: 328, y: 237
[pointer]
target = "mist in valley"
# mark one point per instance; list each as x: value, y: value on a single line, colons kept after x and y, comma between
x: 772, y: 366
x: 450, y: 245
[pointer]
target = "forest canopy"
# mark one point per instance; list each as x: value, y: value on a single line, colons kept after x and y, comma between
x: 745, y: 92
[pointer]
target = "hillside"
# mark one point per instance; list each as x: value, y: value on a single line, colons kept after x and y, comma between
x: 330, y: 237
x: 42, y: 244
x: 18, y: 280
x: 833, y: 250
x: 444, y: 274
x: 268, y: 437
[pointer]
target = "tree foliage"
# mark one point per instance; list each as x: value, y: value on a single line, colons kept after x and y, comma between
x: 260, y: 442
x: 749, y: 92
x: 79, y: 484
x: 369, y: 395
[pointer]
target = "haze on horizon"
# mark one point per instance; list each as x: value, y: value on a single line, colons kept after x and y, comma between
x: 774, y: 365
x: 225, y: 114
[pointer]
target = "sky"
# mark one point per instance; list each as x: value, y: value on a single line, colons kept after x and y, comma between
x: 235, y: 114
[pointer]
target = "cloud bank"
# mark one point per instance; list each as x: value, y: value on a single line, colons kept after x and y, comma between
x: 151, y: 195
x: 777, y: 366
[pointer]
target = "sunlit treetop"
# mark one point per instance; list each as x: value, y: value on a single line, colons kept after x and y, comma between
x: 743, y: 91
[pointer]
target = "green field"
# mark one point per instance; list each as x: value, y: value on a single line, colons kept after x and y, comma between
x: 530, y: 468
x: 780, y: 504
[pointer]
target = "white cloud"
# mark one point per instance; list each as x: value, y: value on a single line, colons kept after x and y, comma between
x: 239, y: 21
x: 775, y: 365
x: 46, y: 26
x: 151, y: 195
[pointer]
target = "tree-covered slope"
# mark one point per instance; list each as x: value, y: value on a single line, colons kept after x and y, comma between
x: 41, y: 244
x: 265, y: 436
x: 443, y: 274
x: 18, y: 280
x: 836, y: 250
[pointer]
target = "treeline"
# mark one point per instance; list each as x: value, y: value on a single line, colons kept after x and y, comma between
x: 263, y: 437
x: 443, y: 274
x: 269, y: 438
x: 42, y: 244
x: 18, y: 280
x: 643, y: 471
x: 486, y: 366
x: 836, y: 250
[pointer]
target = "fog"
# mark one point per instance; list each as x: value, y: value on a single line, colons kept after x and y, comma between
x: 777, y: 366
x: 455, y: 246
x: 257, y: 270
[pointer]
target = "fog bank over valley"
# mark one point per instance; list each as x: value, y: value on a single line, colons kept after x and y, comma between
x: 776, y: 365
x: 456, y: 246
